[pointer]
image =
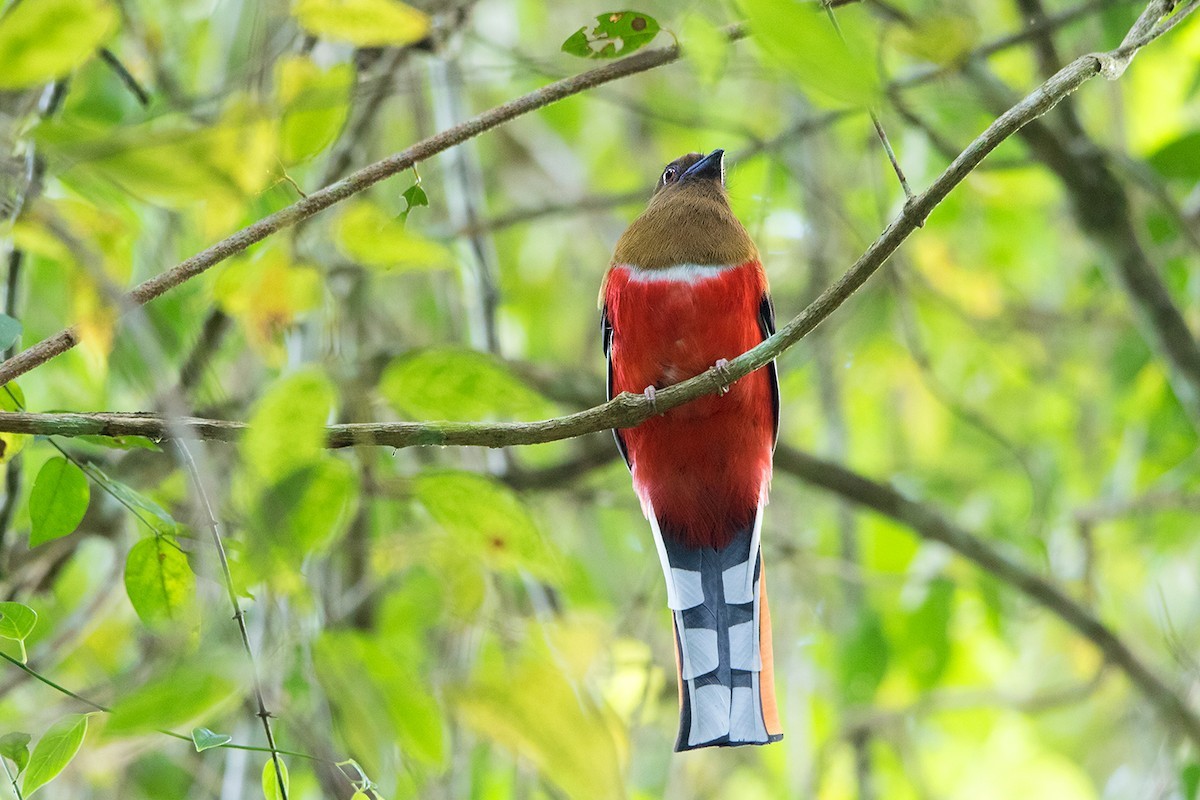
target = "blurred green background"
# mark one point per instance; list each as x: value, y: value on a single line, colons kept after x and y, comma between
x: 465, y: 623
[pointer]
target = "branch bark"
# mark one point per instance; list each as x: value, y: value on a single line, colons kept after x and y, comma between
x: 356, y: 182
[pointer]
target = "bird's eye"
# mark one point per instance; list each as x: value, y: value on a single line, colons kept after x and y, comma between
x: 669, y: 174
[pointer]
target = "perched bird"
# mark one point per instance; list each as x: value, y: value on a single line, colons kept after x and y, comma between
x: 685, y: 292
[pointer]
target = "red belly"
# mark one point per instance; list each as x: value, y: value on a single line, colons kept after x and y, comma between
x: 703, y: 467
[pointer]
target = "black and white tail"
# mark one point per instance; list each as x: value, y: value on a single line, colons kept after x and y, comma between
x: 722, y: 641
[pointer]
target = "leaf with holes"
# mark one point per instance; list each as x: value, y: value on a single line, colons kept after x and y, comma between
x: 159, y: 581
x: 54, y: 751
x: 57, y: 502
x: 616, y: 33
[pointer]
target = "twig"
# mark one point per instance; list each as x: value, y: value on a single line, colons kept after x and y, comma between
x: 238, y: 615
x: 353, y: 184
x: 131, y: 83
x: 930, y: 524
x: 625, y: 410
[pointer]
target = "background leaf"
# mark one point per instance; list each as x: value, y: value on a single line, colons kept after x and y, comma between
x: 442, y: 383
x: 58, y: 501
x: 47, y: 39
x: 366, y: 23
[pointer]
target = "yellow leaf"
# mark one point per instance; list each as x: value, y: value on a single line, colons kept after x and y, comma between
x: 265, y: 294
x: 368, y: 235
x: 366, y: 23
x: 46, y: 39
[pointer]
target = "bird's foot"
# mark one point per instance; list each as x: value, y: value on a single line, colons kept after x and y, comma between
x: 651, y: 393
x: 722, y: 370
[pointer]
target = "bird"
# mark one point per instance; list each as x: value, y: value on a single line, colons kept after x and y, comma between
x: 686, y: 292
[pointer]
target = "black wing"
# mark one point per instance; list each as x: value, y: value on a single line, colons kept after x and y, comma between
x: 766, y: 324
x: 606, y: 334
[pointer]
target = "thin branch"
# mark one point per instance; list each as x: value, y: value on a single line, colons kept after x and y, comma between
x: 239, y: 615
x: 356, y: 182
x: 930, y: 524
x: 625, y: 410
x: 131, y: 83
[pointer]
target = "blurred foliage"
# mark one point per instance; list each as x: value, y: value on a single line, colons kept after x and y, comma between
x: 449, y: 623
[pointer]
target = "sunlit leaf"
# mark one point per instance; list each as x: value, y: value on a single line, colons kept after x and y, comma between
x: 941, y: 38
x: 46, y: 39
x: 287, y: 428
x: 451, y: 384
x: 371, y: 237
x: 366, y: 23
x: 800, y: 38
x: 54, y: 751
x: 267, y: 292
x: 1179, y: 158
x: 159, y: 581
x: 16, y: 620
x: 379, y: 694
x: 171, y: 161
x: 58, y: 501
x: 204, y: 739
x: 616, y: 33
x: 487, y: 519
x: 307, y: 509
x: 175, y: 698
x: 15, y: 747
x: 531, y: 709
x: 271, y: 780
x: 315, y: 103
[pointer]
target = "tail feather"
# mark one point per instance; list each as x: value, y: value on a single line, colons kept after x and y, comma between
x: 723, y: 654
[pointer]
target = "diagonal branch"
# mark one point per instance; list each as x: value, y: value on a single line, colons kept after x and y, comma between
x: 356, y: 182
x: 625, y: 410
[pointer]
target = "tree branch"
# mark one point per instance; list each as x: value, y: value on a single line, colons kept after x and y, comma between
x: 356, y: 182
x: 930, y: 524
x: 625, y: 410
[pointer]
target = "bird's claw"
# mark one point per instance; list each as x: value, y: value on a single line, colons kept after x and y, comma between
x: 722, y: 370
x: 651, y: 393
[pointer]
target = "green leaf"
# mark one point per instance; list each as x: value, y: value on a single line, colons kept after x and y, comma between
x: 10, y: 331
x: 159, y: 581
x: 414, y: 196
x: 175, y: 698
x: 706, y: 47
x: 54, y: 751
x: 270, y: 780
x: 800, y: 38
x: 532, y: 708
x: 486, y: 519
x: 287, y: 429
x: 863, y: 659
x: 48, y: 38
x: 204, y: 739
x: 155, y: 516
x: 365, y: 233
x: 927, y: 634
x: 121, y: 442
x: 1179, y: 158
x: 307, y: 509
x: 12, y: 399
x: 616, y: 33
x: 16, y: 622
x: 315, y: 104
x: 453, y: 384
x: 15, y: 747
x: 366, y: 23
x: 1190, y: 777
x: 58, y: 501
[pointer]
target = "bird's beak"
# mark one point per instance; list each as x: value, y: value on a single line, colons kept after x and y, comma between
x: 712, y: 166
